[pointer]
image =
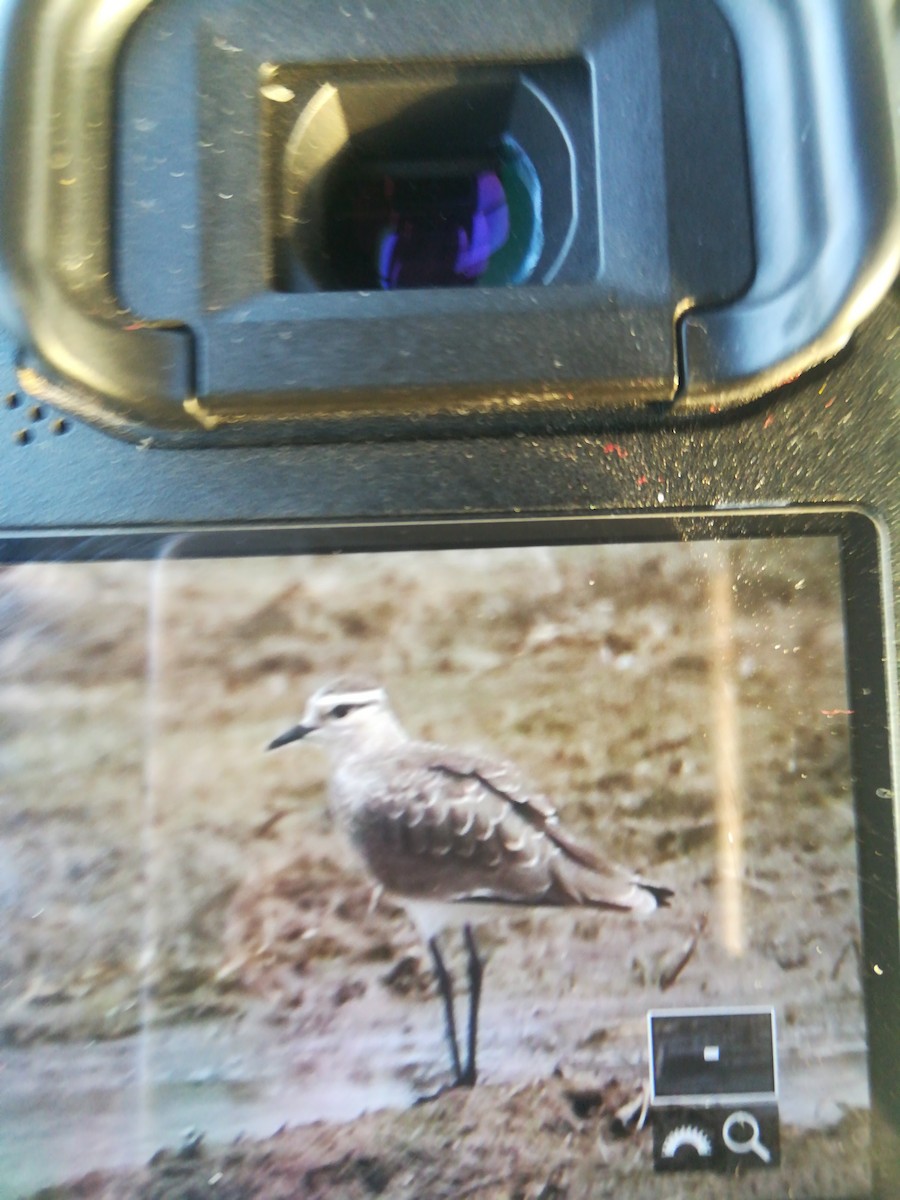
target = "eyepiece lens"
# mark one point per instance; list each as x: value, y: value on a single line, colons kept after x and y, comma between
x: 435, y: 224
x: 441, y: 233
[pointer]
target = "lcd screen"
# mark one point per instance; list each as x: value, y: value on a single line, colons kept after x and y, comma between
x: 210, y: 980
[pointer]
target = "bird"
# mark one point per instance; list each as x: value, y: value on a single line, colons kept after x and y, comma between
x: 452, y: 836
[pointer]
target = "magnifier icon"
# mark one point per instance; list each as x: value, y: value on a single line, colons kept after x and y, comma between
x: 743, y: 1145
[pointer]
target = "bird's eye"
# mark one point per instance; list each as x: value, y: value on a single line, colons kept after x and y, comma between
x: 341, y: 710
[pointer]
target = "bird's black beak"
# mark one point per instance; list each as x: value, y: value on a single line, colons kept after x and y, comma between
x: 290, y: 735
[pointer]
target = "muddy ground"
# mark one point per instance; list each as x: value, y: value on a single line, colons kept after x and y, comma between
x: 162, y: 877
x: 524, y: 1143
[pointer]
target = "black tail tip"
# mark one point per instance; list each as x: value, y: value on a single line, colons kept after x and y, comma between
x: 662, y: 895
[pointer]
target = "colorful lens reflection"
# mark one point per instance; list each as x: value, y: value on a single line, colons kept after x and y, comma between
x: 442, y: 232
x: 429, y: 225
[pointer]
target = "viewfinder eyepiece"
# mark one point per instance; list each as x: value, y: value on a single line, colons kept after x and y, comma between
x: 440, y: 178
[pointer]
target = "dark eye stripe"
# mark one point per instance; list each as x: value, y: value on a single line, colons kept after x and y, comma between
x: 341, y: 710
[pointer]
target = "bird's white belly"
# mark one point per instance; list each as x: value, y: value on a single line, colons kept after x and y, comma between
x: 431, y: 916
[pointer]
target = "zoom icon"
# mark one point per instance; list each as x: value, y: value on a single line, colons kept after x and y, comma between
x: 741, y: 1135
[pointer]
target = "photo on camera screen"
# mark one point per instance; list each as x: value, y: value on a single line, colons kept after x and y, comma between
x: 610, y: 783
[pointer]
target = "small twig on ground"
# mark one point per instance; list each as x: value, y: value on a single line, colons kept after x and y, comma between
x: 672, y: 970
x: 264, y: 828
x: 632, y: 1112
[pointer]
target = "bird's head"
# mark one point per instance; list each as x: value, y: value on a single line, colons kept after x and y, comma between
x: 348, y: 714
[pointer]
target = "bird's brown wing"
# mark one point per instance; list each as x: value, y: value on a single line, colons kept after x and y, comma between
x: 537, y: 809
x: 584, y: 876
x: 453, y: 827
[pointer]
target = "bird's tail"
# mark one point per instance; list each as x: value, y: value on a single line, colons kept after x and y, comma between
x: 661, y: 895
x: 588, y: 880
x: 611, y: 891
x: 634, y: 896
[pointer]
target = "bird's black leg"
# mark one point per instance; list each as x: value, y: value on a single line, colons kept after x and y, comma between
x: 445, y: 985
x: 476, y: 973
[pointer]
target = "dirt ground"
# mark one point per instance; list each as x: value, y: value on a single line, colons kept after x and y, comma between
x: 685, y: 707
x: 524, y: 1143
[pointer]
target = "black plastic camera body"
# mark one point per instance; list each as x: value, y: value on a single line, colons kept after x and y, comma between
x: 298, y: 264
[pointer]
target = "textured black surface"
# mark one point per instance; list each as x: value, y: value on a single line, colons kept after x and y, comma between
x: 832, y: 437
